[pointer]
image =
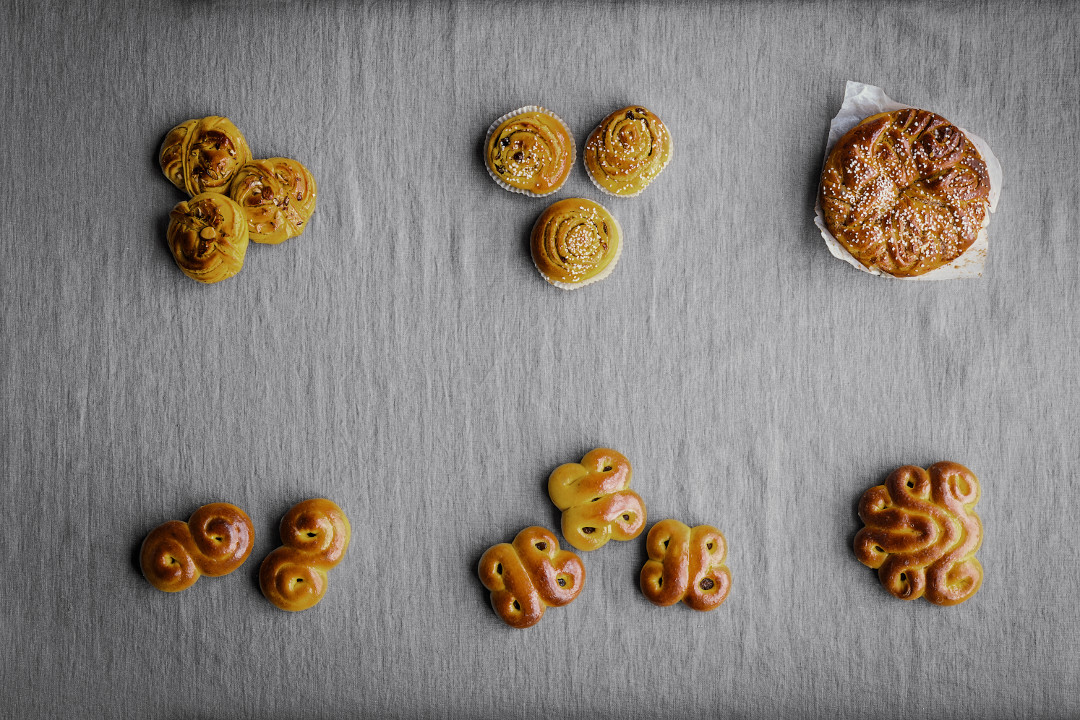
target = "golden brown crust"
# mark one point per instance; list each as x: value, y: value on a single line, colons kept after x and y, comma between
x: 922, y: 533
x: 315, y: 535
x: 597, y: 502
x: 905, y: 192
x: 203, y: 155
x: 278, y: 197
x: 685, y: 564
x: 208, y: 237
x: 532, y: 152
x: 530, y: 575
x: 627, y: 150
x: 215, y: 540
x: 575, y: 242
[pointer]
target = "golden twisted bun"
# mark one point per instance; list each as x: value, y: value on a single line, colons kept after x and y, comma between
x: 203, y: 155
x: 530, y: 151
x: 215, y: 540
x: 208, y: 237
x: 315, y: 535
x: 627, y: 150
x: 597, y: 502
x: 921, y: 533
x: 685, y: 564
x: 278, y: 197
x: 575, y: 242
x: 530, y: 575
x: 905, y: 192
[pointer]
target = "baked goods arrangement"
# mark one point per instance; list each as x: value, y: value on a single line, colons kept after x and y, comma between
x: 529, y: 575
x: 532, y: 573
x: 627, y: 150
x: 922, y: 533
x: 575, y: 242
x: 209, y: 159
x: 596, y: 500
x: 214, y: 541
x: 315, y: 535
x: 686, y: 564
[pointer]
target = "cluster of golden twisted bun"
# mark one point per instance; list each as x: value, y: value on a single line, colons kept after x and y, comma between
x: 531, y: 151
x: 905, y: 192
x: 218, y: 538
x: 922, y: 533
x: 532, y: 573
x: 233, y: 198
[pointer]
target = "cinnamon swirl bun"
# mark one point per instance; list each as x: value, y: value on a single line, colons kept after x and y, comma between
x: 627, y: 150
x: 576, y: 242
x: 529, y: 151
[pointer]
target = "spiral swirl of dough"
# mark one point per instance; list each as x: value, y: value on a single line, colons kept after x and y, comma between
x: 597, y: 502
x: 529, y: 151
x: 685, y: 564
x: 203, y: 155
x: 575, y: 242
x: 905, y: 192
x: 627, y: 150
x: 529, y: 575
x: 278, y: 197
x: 921, y: 533
x: 208, y: 237
x: 215, y: 540
x: 315, y: 535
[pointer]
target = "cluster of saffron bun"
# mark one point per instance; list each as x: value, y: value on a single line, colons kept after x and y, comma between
x: 576, y: 241
x: 532, y: 573
x: 233, y: 198
x: 905, y: 192
x: 218, y: 538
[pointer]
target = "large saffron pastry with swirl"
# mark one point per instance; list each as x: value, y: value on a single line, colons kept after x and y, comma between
x: 627, y: 150
x: 685, y: 564
x: 529, y: 575
x: 203, y: 155
x: 278, y: 197
x: 596, y: 500
x: 575, y: 242
x: 529, y: 151
x: 905, y: 192
x: 215, y: 540
x: 315, y: 535
x: 922, y: 533
x: 208, y: 237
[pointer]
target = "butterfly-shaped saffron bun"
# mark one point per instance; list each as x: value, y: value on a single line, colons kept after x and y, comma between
x: 922, y: 533
x: 597, y: 502
x: 685, y: 564
x: 530, y: 575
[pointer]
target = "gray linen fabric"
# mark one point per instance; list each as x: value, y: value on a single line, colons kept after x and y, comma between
x: 404, y: 358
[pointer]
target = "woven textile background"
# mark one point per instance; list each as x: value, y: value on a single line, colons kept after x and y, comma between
x: 404, y: 358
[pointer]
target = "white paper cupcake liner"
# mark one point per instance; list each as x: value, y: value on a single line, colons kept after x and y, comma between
x: 527, y: 109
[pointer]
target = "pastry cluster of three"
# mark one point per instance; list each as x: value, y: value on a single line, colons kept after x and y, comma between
x: 234, y: 198
x: 532, y: 573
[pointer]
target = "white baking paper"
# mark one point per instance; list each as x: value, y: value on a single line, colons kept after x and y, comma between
x: 860, y: 102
